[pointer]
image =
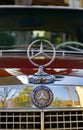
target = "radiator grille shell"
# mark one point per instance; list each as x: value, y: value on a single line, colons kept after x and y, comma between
x: 37, y: 119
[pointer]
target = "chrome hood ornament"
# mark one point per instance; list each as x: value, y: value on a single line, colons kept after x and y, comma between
x: 44, y: 52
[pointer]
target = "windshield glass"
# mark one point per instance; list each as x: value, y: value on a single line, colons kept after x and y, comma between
x: 56, y: 24
x: 21, y: 39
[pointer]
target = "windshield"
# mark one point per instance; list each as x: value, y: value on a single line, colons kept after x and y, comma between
x: 56, y: 24
x: 60, y: 40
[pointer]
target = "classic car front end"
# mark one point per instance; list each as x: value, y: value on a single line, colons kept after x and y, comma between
x: 41, y: 83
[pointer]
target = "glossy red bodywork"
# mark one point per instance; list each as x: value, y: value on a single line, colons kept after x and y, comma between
x: 62, y: 66
x: 23, y: 62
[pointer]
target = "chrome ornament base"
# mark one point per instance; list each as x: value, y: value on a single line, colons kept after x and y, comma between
x: 41, y: 77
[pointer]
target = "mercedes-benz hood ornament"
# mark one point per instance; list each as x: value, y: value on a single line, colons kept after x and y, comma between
x: 41, y: 53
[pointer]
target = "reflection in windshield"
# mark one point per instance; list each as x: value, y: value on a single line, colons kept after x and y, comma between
x: 20, y: 39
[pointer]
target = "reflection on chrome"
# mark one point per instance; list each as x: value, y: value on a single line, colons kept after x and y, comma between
x: 55, y: 80
x: 17, y: 96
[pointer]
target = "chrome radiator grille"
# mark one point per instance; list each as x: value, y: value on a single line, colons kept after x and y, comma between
x: 67, y: 120
x: 48, y: 119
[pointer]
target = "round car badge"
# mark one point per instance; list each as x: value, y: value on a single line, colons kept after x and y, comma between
x: 42, y: 96
x: 41, y: 49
